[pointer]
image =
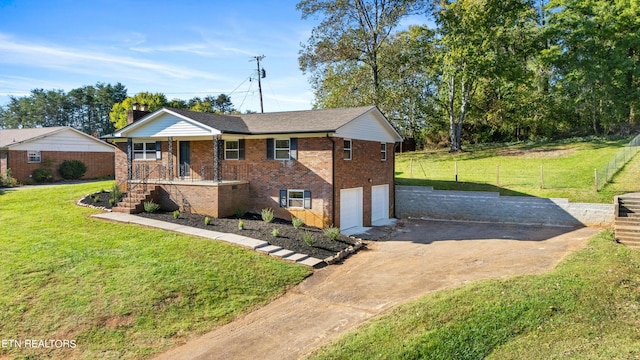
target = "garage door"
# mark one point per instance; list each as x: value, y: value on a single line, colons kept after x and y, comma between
x: 379, y: 203
x: 350, y: 208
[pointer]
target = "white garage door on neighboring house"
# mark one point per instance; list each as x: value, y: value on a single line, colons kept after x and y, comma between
x: 379, y: 203
x: 350, y: 208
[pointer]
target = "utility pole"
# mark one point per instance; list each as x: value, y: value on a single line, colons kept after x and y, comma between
x: 261, y: 74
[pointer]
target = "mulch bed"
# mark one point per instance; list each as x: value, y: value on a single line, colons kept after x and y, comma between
x: 288, y: 237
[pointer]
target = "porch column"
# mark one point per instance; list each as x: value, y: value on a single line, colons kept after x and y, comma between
x: 217, y: 163
x: 129, y: 158
x: 170, y: 157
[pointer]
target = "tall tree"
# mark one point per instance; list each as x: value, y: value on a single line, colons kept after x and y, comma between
x: 478, y: 39
x: 351, y: 35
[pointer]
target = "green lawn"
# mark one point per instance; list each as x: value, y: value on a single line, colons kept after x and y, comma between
x: 588, y: 307
x: 561, y: 169
x: 120, y: 291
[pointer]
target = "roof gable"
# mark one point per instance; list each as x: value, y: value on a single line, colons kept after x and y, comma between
x: 60, y: 138
x: 372, y: 126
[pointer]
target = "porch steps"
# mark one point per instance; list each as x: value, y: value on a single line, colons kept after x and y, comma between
x: 627, y: 221
x: 133, y: 202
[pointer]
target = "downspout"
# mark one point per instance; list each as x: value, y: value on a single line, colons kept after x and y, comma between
x: 333, y: 179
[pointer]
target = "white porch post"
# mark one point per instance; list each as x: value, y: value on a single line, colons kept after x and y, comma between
x: 217, y: 163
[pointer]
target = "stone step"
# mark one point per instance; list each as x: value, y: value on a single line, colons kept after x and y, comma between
x: 626, y: 222
x: 627, y: 228
x: 632, y: 243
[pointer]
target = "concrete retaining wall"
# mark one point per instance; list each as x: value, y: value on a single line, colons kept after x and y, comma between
x: 419, y: 201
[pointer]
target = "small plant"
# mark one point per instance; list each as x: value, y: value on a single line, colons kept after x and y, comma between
x: 151, y: 207
x: 275, y: 232
x: 115, y: 195
x: 307, y: 238
x: 267, y: 215
x: 240, y: 212
x: 207, y: 220
x: 240, y: 224
x: 176, y: 214
x: 72, y: 169
x: 297, y: 222
x: 95, y: 198
x: 331, y: 232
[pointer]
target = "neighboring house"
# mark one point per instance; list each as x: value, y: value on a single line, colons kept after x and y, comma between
x: 25, y: 150
x: 328, y: 167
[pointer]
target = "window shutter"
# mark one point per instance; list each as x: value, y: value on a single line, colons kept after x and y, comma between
x: 158, y: 150
x: 241, y: 149
x: 307, y: 199
x: 293, y: 148
x: 283, y: 198
x: 270, y: 149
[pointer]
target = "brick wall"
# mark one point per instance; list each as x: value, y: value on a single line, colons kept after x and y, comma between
x: 99, y: 164
x: 365, y: 169
x: 220, y: 200
x: 3, y: 163
x: 313, y: 171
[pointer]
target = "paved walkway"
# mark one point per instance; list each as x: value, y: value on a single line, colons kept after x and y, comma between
x: 423, y: 256
x: 258, y: 245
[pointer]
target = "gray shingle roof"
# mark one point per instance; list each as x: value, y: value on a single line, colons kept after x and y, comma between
x: 14, y: 136
x: 306, y: 121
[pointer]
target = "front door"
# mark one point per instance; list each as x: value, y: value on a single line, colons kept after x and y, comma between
x: 184, y: 159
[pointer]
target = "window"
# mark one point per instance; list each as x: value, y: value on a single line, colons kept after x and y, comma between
x: 34, y: 157
x: 282, y: 149
x: 296, y: 199
x: 383, y: 151
x: 231, y: 150
x: 347, y: 150
x: 146, y: 151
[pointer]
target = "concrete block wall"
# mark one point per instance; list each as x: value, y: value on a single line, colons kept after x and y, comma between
x: 418, y: 201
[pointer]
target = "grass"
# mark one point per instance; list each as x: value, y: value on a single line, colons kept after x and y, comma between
x: 588, y: 307
x: 120, y: 291
x: 562, y: 169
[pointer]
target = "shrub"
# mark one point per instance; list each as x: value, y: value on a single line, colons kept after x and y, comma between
x: 72, y: 169
x: 297, y: 222
x: 307, y: 238
x: 207, y: 220
x: 95, y: 198
x: 151, y: 207
x: 267, y: 215
x: 240, y: 212
x: 115, y: 195
x: 43, y: 174
x: 8, y: 181
x: 240, y: 225
x: 176, y: 214
x: 275, y: 232
x: 331, y: 232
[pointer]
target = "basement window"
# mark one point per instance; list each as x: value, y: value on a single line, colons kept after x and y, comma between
x: 295, y: 199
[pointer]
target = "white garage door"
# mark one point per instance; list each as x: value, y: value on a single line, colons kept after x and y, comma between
x: 350, y: 208
x: 379, y: 203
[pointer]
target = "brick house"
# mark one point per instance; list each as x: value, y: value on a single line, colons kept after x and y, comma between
x: 25, y: 150
x: 328, y: 167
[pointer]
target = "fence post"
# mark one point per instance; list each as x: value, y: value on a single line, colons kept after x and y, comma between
x: 541, y: 177
x: 456, y: 170
x: 498, y: 175
x: 595, y: 176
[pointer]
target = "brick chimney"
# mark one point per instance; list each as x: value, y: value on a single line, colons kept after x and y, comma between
x: 136, y: 113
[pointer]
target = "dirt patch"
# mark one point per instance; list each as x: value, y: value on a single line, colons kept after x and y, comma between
x: 552, y: 152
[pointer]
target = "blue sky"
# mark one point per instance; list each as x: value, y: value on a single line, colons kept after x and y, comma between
x: 180, y: 48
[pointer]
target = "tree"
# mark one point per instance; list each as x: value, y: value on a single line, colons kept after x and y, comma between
x: 118, y: 114
x: 478, y: 40
x: 351, y: 35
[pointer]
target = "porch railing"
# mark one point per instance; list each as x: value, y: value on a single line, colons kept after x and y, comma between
x: 188, y: 173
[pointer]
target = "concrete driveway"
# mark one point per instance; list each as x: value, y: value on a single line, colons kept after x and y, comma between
x: 422, y: 257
